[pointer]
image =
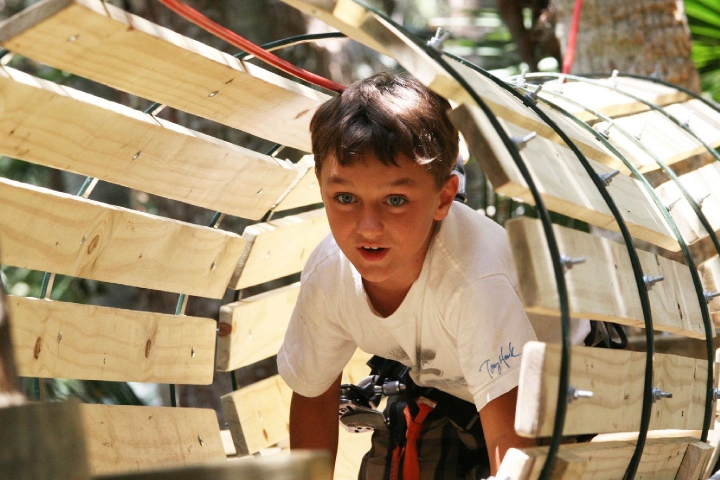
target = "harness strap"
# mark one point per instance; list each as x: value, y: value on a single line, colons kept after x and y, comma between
x: 411, y: 467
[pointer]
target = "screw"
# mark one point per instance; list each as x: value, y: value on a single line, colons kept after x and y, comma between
x: 137, y: 155
x: 574, y: 394
x: 59, y: 338
x: 716, y: 393
x: 650, y: 280
x: 685, y: 122
x: 613, y: 78
x: 521, y: 142
x: 436, y: 42
x: 533, y: 96
x: 702, y: 199
x: 638, y: 135
x: 521, y: 79
x: 568, y: 262
x: 605, y: 132
x: 669, y: 205
x: 710, y: 295
x: 212, y: 94
x: 192, y: 352
x: 212, y: 267
x: 606, y: 178
x: 201, y: 441
x: 657, y: 394
x: 74, y: 37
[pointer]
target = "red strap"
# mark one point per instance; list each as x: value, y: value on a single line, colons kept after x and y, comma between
x: 395, y: 465
x: 411, y: 469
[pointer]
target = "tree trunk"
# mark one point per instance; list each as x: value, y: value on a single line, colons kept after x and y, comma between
x: 640, y: 37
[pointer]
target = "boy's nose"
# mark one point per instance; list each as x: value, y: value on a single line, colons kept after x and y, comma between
x: 369, y: 224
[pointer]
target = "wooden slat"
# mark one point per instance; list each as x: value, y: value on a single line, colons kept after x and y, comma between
x: 711, y: 281
x: 609, y: 102
x: 604, y: 287
x: 297, y: 466
x: 42, y: 441
x: 50, y: 231
x: 660, y: 135
x: 703, y: 182
x: 661, y: 460
x: 258, y: 414
x: 123, y: 439
x: 713, y: 441
x: 9, y: 381
x: 91, y: 38
x: 695, y: 461
x: 616, y: 379
x: 67, y: 340
x: 279, y: 248
x: 62, y: 128
x: 561, y: 179
x: 256, y: 327
x: 306, y: 190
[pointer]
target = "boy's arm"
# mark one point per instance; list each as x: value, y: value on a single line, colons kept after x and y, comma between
x: 314, y: 421
x: 498, y: 423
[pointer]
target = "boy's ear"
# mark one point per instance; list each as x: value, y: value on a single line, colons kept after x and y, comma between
x: 447, y: 196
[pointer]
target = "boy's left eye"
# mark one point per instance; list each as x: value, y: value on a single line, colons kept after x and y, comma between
x: 396, y: 201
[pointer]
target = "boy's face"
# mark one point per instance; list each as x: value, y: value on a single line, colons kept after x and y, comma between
x: 382, y: 217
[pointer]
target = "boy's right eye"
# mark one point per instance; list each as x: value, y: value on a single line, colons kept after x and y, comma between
x: 344, y: 198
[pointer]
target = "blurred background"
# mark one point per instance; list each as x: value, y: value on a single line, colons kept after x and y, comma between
x: 679, y: 41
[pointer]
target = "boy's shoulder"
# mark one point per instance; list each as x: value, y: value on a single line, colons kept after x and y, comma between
x: 472, y: 247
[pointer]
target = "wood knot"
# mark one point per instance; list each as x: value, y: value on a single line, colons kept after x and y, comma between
x: 93, y: 244
x: 38, y: 347
x: 224, y: 329
x: 148, y: 345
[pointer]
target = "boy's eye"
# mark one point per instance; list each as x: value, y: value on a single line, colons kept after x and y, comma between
x: 396, y: 201
x: 344, y: 198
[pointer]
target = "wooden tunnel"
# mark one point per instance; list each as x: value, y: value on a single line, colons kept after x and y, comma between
x: 626, y: 125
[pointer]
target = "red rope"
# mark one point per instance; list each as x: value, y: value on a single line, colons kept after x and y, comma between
x: 236, y: 40
x: 572, y: 38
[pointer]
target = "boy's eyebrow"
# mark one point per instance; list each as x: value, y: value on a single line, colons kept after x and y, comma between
x: 335, y: 180
x: 407, y: 181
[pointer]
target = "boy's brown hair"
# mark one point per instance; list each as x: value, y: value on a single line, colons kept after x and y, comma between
x: 386, y: 115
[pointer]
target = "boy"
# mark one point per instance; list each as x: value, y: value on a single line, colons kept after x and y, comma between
x: 407, y: 273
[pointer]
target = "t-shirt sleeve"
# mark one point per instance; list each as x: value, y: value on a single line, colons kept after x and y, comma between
x: 491, y: 332
x: 316, y: 347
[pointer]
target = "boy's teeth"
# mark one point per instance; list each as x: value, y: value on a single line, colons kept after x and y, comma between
x: 374, y: 249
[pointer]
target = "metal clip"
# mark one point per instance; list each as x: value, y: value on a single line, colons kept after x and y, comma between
x: 716, y: 393
x: 573, y: 394
x: 436, y: 42
x: 650, y: 281
x: 657, y: 394
x: 669, y: 205
x: 568, y: 262
x: 605, y: 132
x: 710, y: 295
x: 533, y: 96
x: 521, y: 142
x: 606, y: 178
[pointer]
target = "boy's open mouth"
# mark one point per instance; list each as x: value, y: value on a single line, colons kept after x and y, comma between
x: 373, y: 253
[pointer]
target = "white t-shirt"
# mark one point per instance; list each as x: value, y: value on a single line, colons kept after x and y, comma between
x: 461, y: 326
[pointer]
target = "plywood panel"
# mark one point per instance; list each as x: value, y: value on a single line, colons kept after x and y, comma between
x: 86, y: 342
x: 562, y: 181
x: 123, y: 439
x: 616, y: 379
x: 255, y: 327
x: 62, y: 128
x: 279, y: 248
x: 55, y: 232
x: 91, y: 38
x: 305, y: 191
x: 604, y: 287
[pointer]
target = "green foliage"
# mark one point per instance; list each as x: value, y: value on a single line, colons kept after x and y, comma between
x: 704, y: 21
